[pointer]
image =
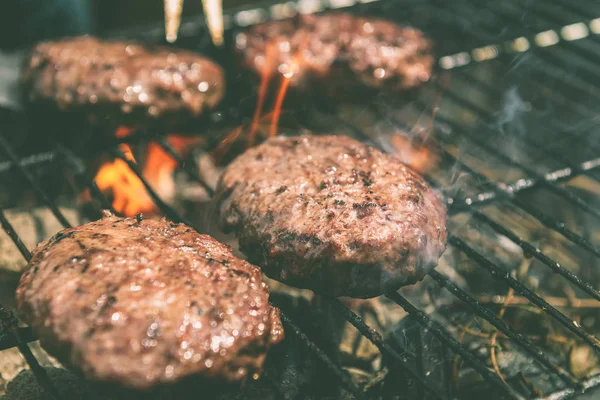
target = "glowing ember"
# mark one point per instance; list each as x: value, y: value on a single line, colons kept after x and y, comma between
x: 127, y: 190
x: 414, y: 153
x: 129, y: 194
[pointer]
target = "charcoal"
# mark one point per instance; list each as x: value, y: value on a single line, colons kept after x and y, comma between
x: 12, y: 363
x: 66, y: 383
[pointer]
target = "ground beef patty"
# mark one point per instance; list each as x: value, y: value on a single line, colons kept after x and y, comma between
x: 340, y: 48
x: 145, y: 302
x: 125, y: 76
x: 332, y: 214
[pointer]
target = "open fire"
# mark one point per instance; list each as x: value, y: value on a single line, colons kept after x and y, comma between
x: 122, y: 185
x: 118, y: 180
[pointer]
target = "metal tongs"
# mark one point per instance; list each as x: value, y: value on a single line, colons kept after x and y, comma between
x: 213, y: 12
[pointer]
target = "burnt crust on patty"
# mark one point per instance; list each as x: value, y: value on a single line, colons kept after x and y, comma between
x: 142, y: 303
x: 110, y: 77
x: 332, y: 214
x: 339, y: 49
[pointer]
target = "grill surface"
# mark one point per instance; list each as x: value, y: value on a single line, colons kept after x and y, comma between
x: 514, y: 136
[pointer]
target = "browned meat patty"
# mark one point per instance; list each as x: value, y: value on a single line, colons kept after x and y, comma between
x: 145, y: 302
x: 86, y: 72
x: 340, y: 48
x: 332, y: 214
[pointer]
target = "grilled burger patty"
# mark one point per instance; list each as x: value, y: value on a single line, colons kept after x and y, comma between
x: 332, y: 214
x: 84, y: 71
x: 328, y: 48
x: 145, y: 302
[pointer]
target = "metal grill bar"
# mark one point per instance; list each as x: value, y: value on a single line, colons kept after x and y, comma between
x: 536, y: 353
x: 573, y: 8
x: 97, y: 193
x: 484, y: 86
x: 9, y: 322
x: 484, y: 115
x: 514, y: 23
x: 541, y: 11
x: 502, y: 274
x: 555, y: 313
x: 577, y: 107
x: 560, y: 175
x: 549, y: 66
x: 9, y: 341
x: 576, y: 280
x: 342, y: 376
x: 80, y: 171
x: 509, y: 160
x: 548, y: 221
x: 183, y: 165
x: 530, y: 250
x: 36, y: 187
x: 501, y: 191
x: 586, y: 168
x: 8, y: 228
x: 444, y: 336
x: 559, y: 227
x: 548, y: 71
x: 565, y: 394
x: 169, y: 211
x: 582, y: 204
x: 33, y: 159
x: 375, y: 338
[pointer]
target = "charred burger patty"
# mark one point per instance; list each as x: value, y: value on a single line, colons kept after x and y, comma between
x: 145, y: 302
x: 332, y: 214
x: 339, y: 48
x: 122, y: 76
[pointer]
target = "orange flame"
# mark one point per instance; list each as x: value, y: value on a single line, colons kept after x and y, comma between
x: 128, y: 191
x: 226, y: 143
x: 265, y: 78
x: 294, y: 67
x: 129, y: 194
x: 414, y: 153
x: 267, y: 74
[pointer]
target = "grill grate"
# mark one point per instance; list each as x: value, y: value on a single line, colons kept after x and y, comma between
x: 489, y: 192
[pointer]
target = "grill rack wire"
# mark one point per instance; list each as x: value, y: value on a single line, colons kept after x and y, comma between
x: 491, y: 192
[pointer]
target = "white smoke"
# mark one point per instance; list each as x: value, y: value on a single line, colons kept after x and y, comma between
x: 510, y: 119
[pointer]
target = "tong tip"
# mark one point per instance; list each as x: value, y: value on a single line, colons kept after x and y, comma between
x: 213, y: 12
x: 172, y: 18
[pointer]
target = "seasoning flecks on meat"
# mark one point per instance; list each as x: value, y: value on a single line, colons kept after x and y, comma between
x: 333, y: 47
x: 84, y: 71
x: 146, y: 302
x: 332, y: 214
